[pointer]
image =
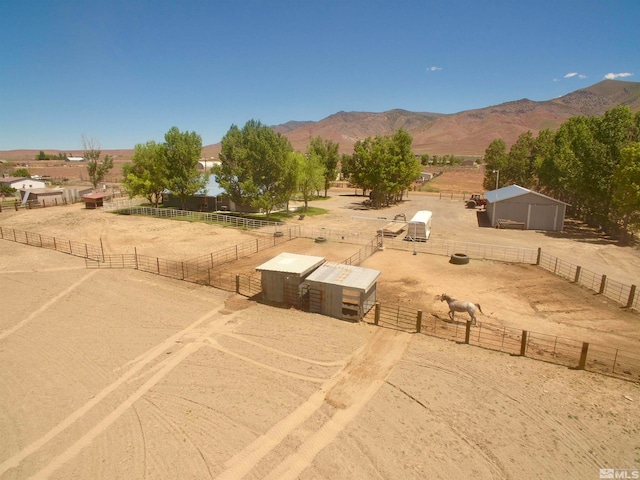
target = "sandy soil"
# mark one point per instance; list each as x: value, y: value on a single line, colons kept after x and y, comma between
x: 121, y: 374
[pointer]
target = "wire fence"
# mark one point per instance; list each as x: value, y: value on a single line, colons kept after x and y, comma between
x: 572, y: 353
x: 605, y: 359
x: 70, y: 247
x: 626, y: 295
x: 472, y: 250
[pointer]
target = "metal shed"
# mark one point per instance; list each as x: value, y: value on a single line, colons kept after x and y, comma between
x: 281, y: 277
x: 341, y: 291
x: 519, y: 206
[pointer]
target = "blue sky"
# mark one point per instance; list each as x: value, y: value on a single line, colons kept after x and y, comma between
x: 125, y: 72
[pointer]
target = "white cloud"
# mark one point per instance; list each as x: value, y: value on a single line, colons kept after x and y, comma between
x: 433, y: 69
x: 575, y: 74
x: 613, y: 76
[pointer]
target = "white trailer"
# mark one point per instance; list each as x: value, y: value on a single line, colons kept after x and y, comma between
x: 419, y: 227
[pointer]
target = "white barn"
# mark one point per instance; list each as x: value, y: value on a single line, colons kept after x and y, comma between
x: 518, y: 204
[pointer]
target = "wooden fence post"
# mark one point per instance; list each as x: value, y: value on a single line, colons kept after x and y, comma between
x: 632, y: 296
x: 135, y: 254
x: 376, y: 318
x: 576, y: 279
x: 539, y: 256
x: 603, y: 284
x: 419, y: 322
x: 523, y: 344
x: 583, y: 356
x: 467, y: 332
x: 237, y: 283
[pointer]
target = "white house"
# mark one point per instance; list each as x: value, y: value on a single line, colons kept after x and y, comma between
x: 22, y: 183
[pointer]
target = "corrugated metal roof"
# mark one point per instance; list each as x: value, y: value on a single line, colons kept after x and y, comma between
x: 346, y: 275
x: 291, y: 263
x: 513, y: 191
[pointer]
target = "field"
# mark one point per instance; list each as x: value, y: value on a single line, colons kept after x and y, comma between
x: 123, y: 374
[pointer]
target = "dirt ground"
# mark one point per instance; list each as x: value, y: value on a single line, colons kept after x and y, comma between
x: 122, y: 374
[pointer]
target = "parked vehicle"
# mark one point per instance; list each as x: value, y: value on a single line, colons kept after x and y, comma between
x: 476, y: 200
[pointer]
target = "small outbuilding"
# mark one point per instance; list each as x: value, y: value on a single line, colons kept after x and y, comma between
x: 518, y: 206
x: 341, y: 291
x: 282, y: 276
x: 94, y: 200
x: 44, y: 196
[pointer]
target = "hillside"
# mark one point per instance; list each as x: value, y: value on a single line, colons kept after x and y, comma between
x: 464, y: 133
x: 469, y: 132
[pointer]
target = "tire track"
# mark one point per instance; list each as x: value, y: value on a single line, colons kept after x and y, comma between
x: 348, y: 390
x: 48, y: 304
x: 142, y: 361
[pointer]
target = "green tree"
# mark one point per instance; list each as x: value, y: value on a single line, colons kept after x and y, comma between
x: 495, y: 159
x: 326, y: 152
x: 626, y: 189
x: 311, y: 176
x: 97, y: 169
x: 147, y: 173
x: 520, y: 165
x: 21, y: 172
x: 384, y: 165
x: 183, y: 151
x: 254, y: 166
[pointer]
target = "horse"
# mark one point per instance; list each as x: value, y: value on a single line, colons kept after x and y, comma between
x: 458, y: 306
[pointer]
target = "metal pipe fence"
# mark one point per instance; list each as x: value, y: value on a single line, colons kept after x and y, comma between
x: 558, y: 350
x: 472, y: 250
x: 70, y: 247
x: 626, y: 295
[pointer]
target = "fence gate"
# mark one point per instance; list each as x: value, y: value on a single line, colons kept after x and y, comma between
x: 315, y: 300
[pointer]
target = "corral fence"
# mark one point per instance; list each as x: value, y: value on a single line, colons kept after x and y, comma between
x: 216, y: 218
x: 472, y: 250
x: 204, y: 270
x: 571, y: 353
x: 626, y: 295
x: 70, y: 247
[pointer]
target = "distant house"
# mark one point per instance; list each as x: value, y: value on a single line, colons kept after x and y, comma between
x: 533, y: 210
x: 74, y: 159
x: 206, y: 165
x: 212, y: 198
x: 21, y: 183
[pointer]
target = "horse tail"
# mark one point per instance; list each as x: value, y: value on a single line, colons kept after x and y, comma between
x: 478, y: 305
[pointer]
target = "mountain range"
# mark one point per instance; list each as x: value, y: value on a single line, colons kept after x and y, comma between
x: 467, y: 133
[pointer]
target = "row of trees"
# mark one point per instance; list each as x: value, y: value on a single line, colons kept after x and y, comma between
x: 50, y: 156
x: 592, y: 163
x: 258, y: 167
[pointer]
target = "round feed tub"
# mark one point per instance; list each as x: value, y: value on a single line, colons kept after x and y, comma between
x: 321, y: 239
x: 459, y: 259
